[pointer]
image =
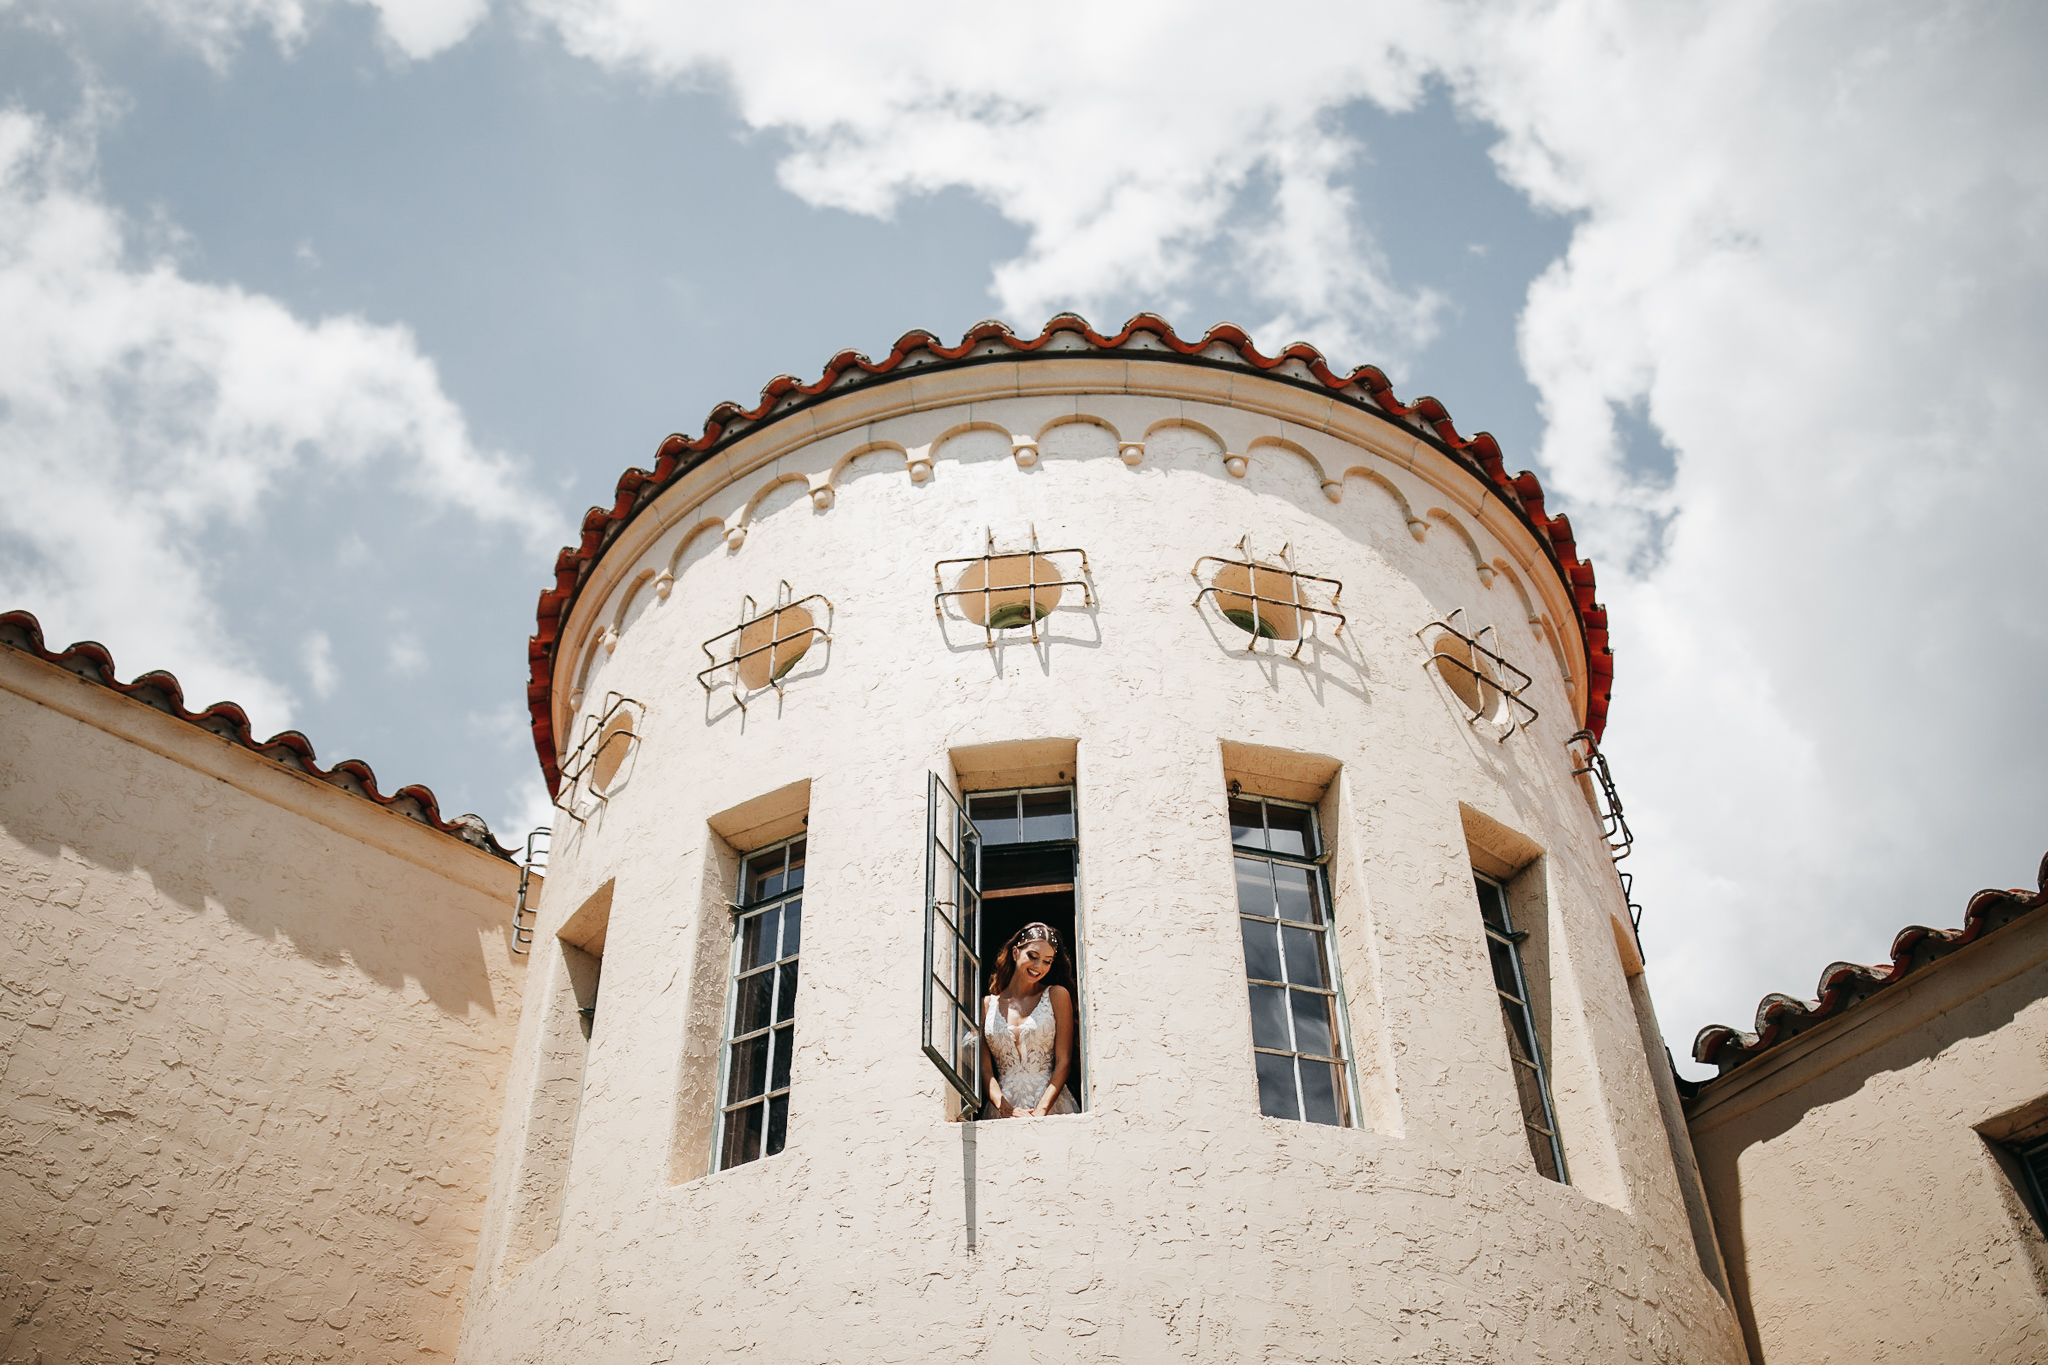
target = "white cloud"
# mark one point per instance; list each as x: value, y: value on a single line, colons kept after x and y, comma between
x: 416, y: 29
x: 142, y: 412
x: 1137, y: 144
x: 1811, y: 246
x: 317, y: 654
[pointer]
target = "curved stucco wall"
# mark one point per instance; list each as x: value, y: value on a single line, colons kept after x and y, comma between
x: 1171, y: 1219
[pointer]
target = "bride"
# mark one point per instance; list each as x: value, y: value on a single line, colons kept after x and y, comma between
x: 1028, y: 1027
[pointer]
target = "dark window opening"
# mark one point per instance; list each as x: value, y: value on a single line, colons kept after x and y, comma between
x: 1029, y: 855
x: 1290, y: 963
x: 2033, y: 1162
x: 1525, y: 1047
x: 761, y: 1025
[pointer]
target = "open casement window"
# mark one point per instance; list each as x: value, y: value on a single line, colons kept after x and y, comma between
x: 1525, y: 1048
x: 952, y: 946
x: 2033, y: 1163
x: 1299, y: 1032
x: 761, y: 1023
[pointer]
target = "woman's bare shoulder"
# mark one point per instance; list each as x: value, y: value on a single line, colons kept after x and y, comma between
x: 1061, y: 995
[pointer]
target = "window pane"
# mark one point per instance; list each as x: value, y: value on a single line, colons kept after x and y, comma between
x: 1048, y: 815
x: 749, y: 1069
x: 1304, y: 956
x: 752, y: 1008
x: 785, y: 997
x: 966, y: 1046
x: 1517, y: 1021
x: 1247, y: 825
x: 1255, y: 887
x: 1276, y: 1087
x: 757, y: 938
x: 995, y: 817
x: 742, y: 1135
x: 1269, y: 1018
x: 1287, y: 827
x: 1503, y: 967
x: 1026, y: 865
x: 785, y: 1038
x: 1311, y: 1024
x: 792, y: 926
x: 1261, y: 951
x: 1491, y: 906
x: 1319, y: 1093
x: 947, y: 968
x: 764, y: 876
x: 1546, y: 1156
x: 778, y: 1124
x: 795, y: 878
x: 1297, y: 888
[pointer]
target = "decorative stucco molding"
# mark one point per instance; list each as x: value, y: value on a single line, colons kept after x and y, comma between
x: 1844, y: 985
x: 1067, y: 336
x: 161, y: 691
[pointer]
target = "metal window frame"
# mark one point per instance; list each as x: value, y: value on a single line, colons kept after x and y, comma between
x: 583, y: 757
x: 535, y: 859
x: 751, y: 613
x: 2037, y: 1192
x: 1613, y: 824
x: 740, y: 910
x: 1286, y: 569
x: 1317, y: 864
x: 1031, y: 585
x: 1512, y: 941
x: 1482, y: 655
x: 973, y: 1092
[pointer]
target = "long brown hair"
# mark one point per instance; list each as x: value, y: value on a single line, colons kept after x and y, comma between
x: 1005, y: 965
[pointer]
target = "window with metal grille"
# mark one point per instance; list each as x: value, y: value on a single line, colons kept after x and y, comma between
x: 1290, y: 962
x: 761, y: 1029
x: 1525, y: 1048
x: 2033, y: 1159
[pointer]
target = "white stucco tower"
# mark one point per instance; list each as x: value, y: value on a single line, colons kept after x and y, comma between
x: 1285, y: 729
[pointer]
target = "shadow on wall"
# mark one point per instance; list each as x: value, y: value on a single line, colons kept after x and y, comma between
x: 73, y: 793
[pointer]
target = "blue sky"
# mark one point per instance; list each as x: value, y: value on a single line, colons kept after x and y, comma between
x: 330, y: 319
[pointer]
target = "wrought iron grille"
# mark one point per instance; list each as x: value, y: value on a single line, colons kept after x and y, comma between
x: 599, y: 738
x: 1268, y: 601
x: 1014, y: 589
x: 760, y: 651
x: 1492, y: 675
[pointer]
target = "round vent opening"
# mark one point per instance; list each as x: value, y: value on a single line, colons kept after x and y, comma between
x: 1259, y: 600
x: 771, y: 645
x: 1454, y: 660
x: 612, y: 747
x: 1009, y: 591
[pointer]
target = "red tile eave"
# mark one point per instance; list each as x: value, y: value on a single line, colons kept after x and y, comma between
x: 161, y: 691
x: 1521, y: 492
x: 1847, y: 984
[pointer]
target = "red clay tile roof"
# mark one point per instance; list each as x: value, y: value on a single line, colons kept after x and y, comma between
x: 20, y: 630
x: 1846, y: 984
x: 1146, y: 335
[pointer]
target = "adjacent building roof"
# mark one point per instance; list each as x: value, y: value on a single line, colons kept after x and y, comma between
x: 1846, y: 985
x: 1065, y: 337
x: 160, y: 690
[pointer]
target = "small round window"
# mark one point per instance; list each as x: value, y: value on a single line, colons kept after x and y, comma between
x: 612, y: 747
x: 1009, y: 590
x: 770, y: 646
x: 1455, y: 661
x: 1259, y: 599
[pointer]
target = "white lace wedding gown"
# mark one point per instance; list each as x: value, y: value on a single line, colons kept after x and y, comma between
x: 1024, y: 1055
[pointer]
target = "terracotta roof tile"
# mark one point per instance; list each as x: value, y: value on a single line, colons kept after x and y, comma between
x: 20, y: 630
x: 1225, y: 346
x: 1845, y: 985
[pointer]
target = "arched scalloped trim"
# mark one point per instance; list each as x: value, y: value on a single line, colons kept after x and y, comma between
x: 1846, y: 984
x: 161, y: 691
x: 1146, y: 336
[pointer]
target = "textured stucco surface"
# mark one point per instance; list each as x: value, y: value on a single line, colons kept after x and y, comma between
x: 1170, y: 1220
x: 1863, y: 1214
x: 253, y: 1040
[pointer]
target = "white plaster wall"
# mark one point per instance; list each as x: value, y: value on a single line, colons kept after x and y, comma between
x: 1864, y: 1215
x: 1171, y: 1219
x: 253, y: 1036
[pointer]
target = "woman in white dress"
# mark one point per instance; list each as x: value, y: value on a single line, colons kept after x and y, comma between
x: 1028, y: 1027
